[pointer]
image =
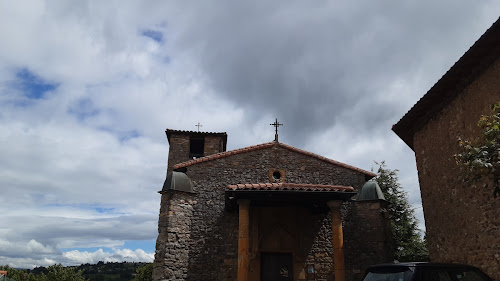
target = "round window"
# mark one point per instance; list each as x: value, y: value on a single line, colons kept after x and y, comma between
x: 276, y: 175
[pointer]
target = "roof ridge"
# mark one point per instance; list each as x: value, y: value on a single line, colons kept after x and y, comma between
x: 266, y: 145
x: 223, y: 154
x: 293, y: 148
x: 191, y: 131
x: 483, y: 53
x: 289, y: 186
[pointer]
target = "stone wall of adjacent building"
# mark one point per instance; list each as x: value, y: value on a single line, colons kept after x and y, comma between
x: 462, y: 219
x: 209, y: 248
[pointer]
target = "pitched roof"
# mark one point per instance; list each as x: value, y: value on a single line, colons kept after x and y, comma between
x: 314, y: 196
x: 479, y: 57
x: 368, y: 175
x: 170, y: 131
x: 290, y: 186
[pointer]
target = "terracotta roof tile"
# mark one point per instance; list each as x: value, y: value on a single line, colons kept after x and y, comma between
x: 290, y: 186
x: 267, y: 145
x: 193, y: 132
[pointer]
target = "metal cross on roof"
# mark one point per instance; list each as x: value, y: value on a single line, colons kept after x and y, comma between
x: 199, y: 126
x: 276, y: 124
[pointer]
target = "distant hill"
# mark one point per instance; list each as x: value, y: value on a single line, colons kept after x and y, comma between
x: 110, y: 271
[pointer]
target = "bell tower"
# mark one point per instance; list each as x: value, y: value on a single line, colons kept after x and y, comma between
x: 188, y: 145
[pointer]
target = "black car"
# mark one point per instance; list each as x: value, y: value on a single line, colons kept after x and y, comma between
x: 424, y: 271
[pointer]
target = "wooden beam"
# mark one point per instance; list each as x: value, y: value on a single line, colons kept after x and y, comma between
x: 338, y: 240
x: 243, y: 239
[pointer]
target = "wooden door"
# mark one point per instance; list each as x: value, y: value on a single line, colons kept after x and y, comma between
x: 276, y: 267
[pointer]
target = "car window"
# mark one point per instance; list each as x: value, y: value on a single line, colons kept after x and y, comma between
x: 435, y: 274
x: 389, y: 276
x: 465, y: 274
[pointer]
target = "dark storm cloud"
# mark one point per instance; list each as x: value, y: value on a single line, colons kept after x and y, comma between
x: 81, y: 166
x: 311, y: 62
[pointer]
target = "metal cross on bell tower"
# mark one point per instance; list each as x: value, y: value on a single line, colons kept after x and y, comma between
x: 276, y: 124
x: 199, y: 125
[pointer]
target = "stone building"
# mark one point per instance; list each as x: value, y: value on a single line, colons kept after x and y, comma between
x: 462, y: 219
x: 264, y: 212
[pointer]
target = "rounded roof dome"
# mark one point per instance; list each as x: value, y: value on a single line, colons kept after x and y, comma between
x: 177, y: 181
x: 371, y: 191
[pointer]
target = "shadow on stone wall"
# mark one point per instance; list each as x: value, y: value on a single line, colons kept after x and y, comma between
x: 367, y: 236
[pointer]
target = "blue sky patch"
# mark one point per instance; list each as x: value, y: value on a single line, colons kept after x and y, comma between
x: 125, y: 136
x: 147, y: 245
x: 153, y: 34
x: 105, y: 210
x: 91, y: 207
x: 33, y: 86
x: 83, y: 109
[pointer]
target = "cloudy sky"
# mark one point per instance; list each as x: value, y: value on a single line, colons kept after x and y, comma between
x: 87, y: 89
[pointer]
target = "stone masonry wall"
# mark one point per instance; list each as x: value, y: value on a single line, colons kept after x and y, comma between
x: 462, y: 220
x: 212, y: 240
x: 210, y: 180
x: 174, y: 228
x: 213, y: 145
x: 178, y: 150
x: 367, y: 236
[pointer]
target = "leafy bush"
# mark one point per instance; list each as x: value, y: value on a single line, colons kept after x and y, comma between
x: 144, y: 273
x: 481, y: 157
x: 54, y: 273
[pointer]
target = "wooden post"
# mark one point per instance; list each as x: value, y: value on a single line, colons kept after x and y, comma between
x: 243, y: 239
x: 338, y: 240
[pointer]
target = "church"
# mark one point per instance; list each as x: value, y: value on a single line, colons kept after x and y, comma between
x: 270, y: 211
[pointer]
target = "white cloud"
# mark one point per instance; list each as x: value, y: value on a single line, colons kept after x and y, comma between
x: 28, y: 262
x: 78, y: 257
x: 81, y: 166
x: 37, y: 248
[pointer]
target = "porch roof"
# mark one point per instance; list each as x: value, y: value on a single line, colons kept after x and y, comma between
x: 313, y: 196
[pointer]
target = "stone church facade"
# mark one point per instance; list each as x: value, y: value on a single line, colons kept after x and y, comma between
x: 462, y: 219
x: 265, y: 212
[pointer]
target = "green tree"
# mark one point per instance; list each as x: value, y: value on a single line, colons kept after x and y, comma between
x: 408, y: 242
x: 481, y: 157
x: 17, y: 274
x: 144, y: 273
x: 57, y: 272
